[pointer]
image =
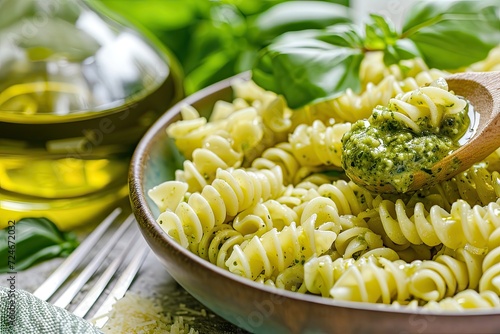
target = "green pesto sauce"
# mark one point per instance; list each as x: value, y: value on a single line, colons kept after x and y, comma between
x: 383, y: 150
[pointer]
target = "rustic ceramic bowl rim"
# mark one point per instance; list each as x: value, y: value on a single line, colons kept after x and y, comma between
x: 148, y: 222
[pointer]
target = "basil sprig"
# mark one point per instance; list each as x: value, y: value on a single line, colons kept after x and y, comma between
x: 294, y: 16
x: 453, y: 34
x: 310, y: 66
x: 321, y: 65
x: 32, y: 240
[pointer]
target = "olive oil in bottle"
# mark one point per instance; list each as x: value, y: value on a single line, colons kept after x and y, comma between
x: 77, y: 92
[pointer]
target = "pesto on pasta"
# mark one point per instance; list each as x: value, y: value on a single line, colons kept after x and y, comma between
x: 412, y: 133
x: 263, y: 193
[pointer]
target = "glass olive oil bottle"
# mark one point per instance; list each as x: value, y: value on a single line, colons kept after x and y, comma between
x: 77, y: 91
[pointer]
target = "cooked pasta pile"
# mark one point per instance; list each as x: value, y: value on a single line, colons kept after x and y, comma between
x: 262, y: 194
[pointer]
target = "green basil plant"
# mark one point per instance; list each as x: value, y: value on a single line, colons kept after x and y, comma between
x: 307, y: 67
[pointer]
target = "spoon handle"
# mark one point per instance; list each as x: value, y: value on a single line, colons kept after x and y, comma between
x: 482, y: 89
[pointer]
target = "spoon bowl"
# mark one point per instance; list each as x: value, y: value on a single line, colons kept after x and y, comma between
x: 482, y: 90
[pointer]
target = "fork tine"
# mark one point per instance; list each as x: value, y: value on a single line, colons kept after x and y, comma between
x: 123, y: 283
x: 95, y: 292
x: 54, y: 282
x: 91, y: 268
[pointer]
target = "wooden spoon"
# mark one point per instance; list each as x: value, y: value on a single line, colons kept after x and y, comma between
x: 482, y: 89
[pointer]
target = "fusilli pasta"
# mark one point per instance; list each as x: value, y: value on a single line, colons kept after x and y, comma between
x: 461, y: 226
x: 318, y: 144
x: 275, y: 251
x: 263, y: 193
x: 231, y: 192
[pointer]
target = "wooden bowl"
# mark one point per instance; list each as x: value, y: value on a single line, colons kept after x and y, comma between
x: 252, y: 306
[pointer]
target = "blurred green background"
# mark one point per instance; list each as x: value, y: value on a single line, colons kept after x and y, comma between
x: 215, y: 39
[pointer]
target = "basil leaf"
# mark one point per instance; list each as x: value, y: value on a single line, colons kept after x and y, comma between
x: 296, y: 15
x: 308, y: 71
x: 346, y: 35
x: 311, y: 66
x: 35, y: 240
x: 379, y: 33
x: 453, y: 34
x: 401, y: 50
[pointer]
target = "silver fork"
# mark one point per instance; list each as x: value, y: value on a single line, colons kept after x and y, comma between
x: 69, y: 279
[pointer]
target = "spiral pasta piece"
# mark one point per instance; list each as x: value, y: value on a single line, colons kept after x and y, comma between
x: 272, y: 111
x: 467, y: 300
x: 279, y: 155
x: 356, y: 241
x: 276, y: 116
x: 477, y: 186
x: 274, y: 251
x: 292, y: 279
x: 230, y: 193
x: 373, y: 68
x: 431, y: 102
x: 386, y: 279
x: 168, y: 194
x: 461, y: 226
x: 492, y: 162
x: 445, y: 276
x: 234, y: 137
x: 348, y: 196
x: 216, y: 245
x: 216, y: 153
x: 373, y: 280
x: 490, y: 280
x: 251, y: 93
x: 263, y: 217
x: 191, y: 129
x: 295, y: 197
x: 410, y: 253
x: 325, y: 211
x: 189, y: 132
x: 351, y: 107
x: 318, y: 144
x: 322, y: 273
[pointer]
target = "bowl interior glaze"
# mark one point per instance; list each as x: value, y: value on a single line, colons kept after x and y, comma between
x: 249, y: 305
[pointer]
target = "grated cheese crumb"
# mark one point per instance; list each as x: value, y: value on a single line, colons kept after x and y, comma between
x: 134, y: 314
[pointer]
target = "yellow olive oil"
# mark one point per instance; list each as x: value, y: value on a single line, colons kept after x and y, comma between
x: 70, y: 165
x: 66, y: 142
x: 79, y: 87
